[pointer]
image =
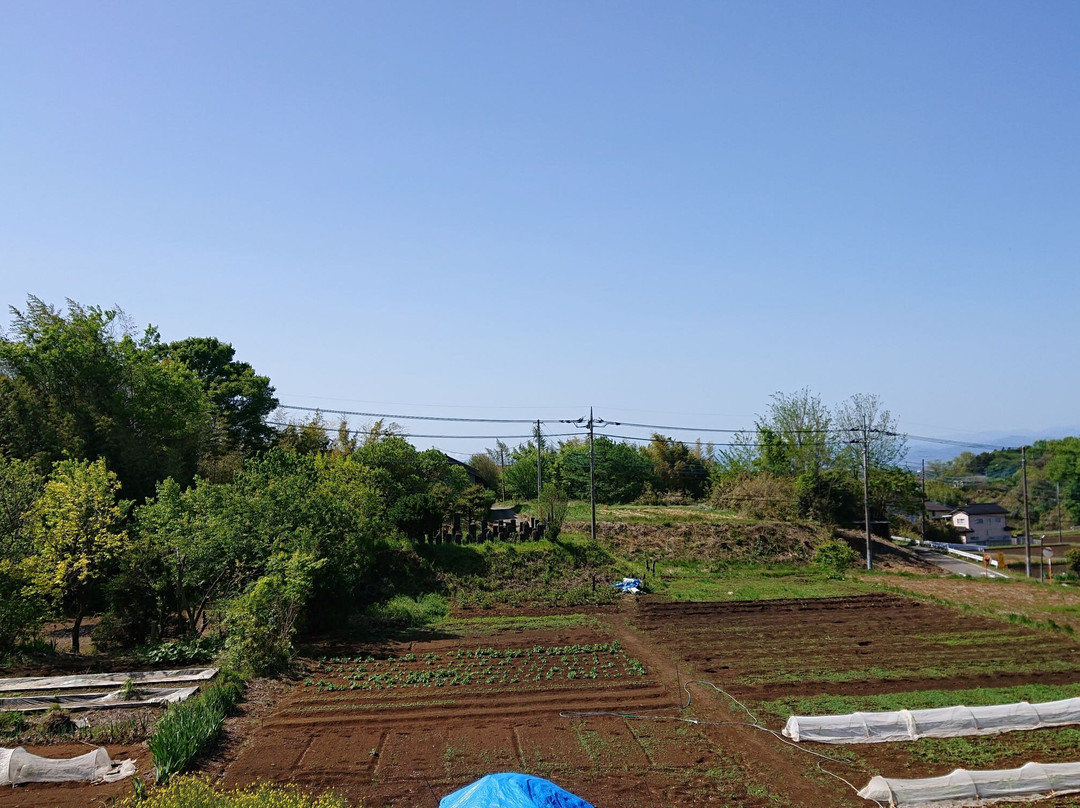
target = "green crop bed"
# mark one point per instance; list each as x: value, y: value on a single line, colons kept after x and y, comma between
x: 479, y: 666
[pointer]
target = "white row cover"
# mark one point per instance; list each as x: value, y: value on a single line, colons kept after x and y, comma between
x: 1032, y: 781
x: 98, y: 701
x: 19, y: 766
x: 942, y: 722
x: 106, y: 679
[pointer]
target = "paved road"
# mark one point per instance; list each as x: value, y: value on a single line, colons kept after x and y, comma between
x: 957, y: 566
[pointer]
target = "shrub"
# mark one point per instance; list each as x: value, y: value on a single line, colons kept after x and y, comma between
x: 834, y: 557
x: 408, y: 611
x: 260, y: 623
x: 1072, y: 560
x: 21, y: 609
x: 760, y: 496
x: 191, y: 726
x: 11, y: 723
x: 194, y: 792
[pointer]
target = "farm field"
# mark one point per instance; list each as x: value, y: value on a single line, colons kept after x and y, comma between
x: 592, y: 700
x: 405, y: 723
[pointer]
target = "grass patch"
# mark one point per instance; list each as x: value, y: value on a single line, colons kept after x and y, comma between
x: 190, y: 727
x: 403, y: 610
x: 489, y: 626
x: 194, y: 792
x: 698, y: 581
x: 942, y: 671
x: 914, y: 700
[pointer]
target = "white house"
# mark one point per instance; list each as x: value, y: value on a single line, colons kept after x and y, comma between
x: 982, y: 523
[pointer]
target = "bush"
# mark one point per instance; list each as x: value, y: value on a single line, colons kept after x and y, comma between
x: 185, y: 652
x: 260, y: 624
x: 11, y: 723
x: 191, y: 726
x: 408, y: 611
x: 20, y: 609
x: 760, y: 496
x: 194, y: 792
x: 834, y: 557
x: 1072, y: 560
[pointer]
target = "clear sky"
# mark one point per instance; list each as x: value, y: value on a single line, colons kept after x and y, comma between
x: 508, y: 209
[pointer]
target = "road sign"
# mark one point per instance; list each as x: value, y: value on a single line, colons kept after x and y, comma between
x: 1048, y: 552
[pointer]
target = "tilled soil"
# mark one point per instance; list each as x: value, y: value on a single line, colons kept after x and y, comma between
x: 626, y: 740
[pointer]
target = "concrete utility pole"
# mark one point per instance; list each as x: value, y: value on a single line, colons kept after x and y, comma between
x: 1057, y: 486
x: 866, y: 497
x: 1027, y: 528
x: 922, y: 522
x: 539, y: 473
x: 592, y: 475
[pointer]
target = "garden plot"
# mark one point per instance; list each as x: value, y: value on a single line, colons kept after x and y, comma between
x: 876, y: 652
x: 404, y: 726
x: 864, y: 644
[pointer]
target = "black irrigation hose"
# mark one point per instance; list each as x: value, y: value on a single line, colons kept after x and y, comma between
x: 753, y: 724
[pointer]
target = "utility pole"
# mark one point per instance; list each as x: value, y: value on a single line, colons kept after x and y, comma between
x: 866, y: 497
x: 1057, y: 485
x: 922, y: 530
x: 592, y: 475
x: 539, y: 474
x: 502, y: 467
x: 1027, y: 528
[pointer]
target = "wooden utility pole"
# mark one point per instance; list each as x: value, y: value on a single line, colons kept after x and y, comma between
x: 1027, y: 527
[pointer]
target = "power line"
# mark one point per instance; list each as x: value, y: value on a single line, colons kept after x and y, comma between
x: 413, y: 417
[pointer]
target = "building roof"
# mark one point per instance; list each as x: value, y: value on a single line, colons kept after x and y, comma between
x: 937, y: 507
x: 980, y: 509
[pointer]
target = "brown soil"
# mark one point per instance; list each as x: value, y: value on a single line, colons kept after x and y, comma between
x: 771, y: 649
x: 411, y: 745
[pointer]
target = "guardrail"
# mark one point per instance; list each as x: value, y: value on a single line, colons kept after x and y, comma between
x: 970, y: 551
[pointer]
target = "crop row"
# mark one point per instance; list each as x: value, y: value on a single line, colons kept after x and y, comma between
x: 481, y: 666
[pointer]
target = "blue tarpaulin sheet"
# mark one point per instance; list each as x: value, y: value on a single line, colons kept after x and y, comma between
x: 509, y: 790
x: 632, y: 585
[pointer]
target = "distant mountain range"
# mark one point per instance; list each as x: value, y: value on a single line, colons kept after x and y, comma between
x: 921, y: 450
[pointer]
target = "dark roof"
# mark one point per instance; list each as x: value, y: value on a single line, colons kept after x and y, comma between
x: 930, y: 505
x: 980, y: 508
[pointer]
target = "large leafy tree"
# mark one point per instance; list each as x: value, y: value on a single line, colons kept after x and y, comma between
x: 78, y: 385
x: 795, y: 435
x: 76, y: 526
x: 241, y: 398
x: 675, y: 467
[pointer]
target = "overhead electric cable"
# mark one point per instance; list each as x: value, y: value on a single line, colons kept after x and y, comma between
x: 335, y: 411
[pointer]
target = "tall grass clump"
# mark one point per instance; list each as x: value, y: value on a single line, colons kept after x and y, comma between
x: 194, y: 792
x: 189, y: 727
x: 408, y: 611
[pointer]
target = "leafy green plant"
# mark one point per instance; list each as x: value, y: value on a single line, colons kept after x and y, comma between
x: 195, y: 792
x: 834, y: 557
x: 189, y: 727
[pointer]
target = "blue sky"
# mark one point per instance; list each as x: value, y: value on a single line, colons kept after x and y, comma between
x: 509, y: 209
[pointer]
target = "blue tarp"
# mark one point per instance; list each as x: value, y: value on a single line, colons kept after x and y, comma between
x: 631, y: 585
x: 509, y: 790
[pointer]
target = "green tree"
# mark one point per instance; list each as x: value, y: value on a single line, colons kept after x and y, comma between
x: 20, y: 609
x: 676, y: 468
x: 20, y: 486
x: 77, y: 534
x: 488, y: 470
x: 242, y: 400
x: 864, y: 417
x: 79, y: 386
x: 796, y: 435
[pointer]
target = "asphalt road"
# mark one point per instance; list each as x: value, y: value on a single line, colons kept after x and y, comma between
x: 957, y: 566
